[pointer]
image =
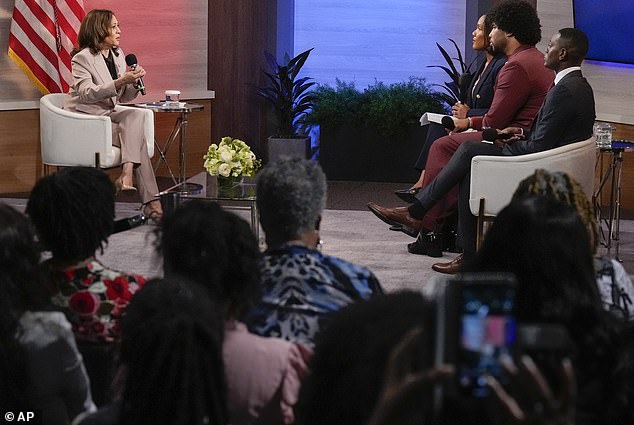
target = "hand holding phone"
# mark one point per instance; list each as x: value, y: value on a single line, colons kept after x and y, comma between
x: 476, y: 325
x: 531, y: 399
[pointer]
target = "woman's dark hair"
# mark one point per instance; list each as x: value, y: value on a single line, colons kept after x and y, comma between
x: 172, y: 353
x: 21, y: 289
x: 546, y: 245
x: 551, y: 257
x: 488, y: 26
x: 94, y: 29
x: 519, y: 18
x: 206, y: 244
x: 351, y: 354
x: 73, y: 213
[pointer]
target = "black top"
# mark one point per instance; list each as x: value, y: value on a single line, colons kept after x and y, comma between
x: 111, y: 66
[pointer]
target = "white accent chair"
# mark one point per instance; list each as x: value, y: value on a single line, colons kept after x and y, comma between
x: 74, y: 139
x: 495, y: 178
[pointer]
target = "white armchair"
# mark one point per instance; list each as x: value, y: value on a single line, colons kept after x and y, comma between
x: 495, y: 178
x: 75, y: 139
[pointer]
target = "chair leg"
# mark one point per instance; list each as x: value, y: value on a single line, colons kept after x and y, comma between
x: 480, y: 230
x: 97, y: 160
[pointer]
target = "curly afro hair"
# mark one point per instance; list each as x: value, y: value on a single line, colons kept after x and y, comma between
x: 520, y: 19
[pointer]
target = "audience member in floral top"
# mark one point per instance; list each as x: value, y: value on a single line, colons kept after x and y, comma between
x: 73, y: 213
x: 301, y: 286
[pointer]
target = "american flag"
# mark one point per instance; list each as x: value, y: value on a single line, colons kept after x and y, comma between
x: 43, y: 33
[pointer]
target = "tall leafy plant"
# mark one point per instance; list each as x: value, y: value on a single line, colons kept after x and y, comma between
x: 451, y: 88
x: 289, y: 95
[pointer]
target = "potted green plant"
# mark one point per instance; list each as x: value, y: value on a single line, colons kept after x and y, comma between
x: 374, y: 134
x: 290, y: 98
x: 453, y: 88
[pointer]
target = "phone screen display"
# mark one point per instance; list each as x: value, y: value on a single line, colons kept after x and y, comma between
x: 487, y: 331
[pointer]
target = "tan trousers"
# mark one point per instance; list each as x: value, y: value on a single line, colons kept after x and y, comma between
x: 127, y: 133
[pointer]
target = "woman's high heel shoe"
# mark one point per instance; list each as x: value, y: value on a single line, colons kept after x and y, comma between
x: 120, y: 187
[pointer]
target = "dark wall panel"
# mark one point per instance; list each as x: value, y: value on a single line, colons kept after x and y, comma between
x: 239, y: 33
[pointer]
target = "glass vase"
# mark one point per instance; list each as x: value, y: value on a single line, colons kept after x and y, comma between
x: 229, y: 187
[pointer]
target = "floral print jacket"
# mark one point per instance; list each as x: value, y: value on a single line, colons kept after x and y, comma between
x: 92, y: 297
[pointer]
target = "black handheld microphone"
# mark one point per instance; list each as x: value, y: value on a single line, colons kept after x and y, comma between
x: 448, y: 123
x: 128, y: 223
x: 131, y: 61
x: 492, y: 134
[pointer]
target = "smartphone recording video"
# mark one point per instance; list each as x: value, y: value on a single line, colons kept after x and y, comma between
x: 476, y: 326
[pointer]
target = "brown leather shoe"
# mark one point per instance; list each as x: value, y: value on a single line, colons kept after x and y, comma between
x: 399, y: 215
x: 452, y: 267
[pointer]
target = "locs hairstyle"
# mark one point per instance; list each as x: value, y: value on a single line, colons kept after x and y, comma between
x: 73, y: 212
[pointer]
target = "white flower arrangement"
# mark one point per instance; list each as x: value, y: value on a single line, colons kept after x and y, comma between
x: 231, y: 158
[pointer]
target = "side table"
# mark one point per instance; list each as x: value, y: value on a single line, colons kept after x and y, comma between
x: 179, y: 131
x: 612, y: 174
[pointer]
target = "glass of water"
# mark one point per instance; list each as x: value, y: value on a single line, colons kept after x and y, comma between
x: 603, y: 134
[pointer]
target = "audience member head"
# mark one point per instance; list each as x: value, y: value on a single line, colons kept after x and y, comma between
x: 565, y: 189
x: 351, y: 354
x: 73, y: 213
x: 203, y: 243
x: 546, y: 245
x: 551, y: 257
x: 21, y: 289
x: 94, y: 29
x: 291, y: 197
x: 567, y: 47
x: 515, y: 18
x: 172, y: 354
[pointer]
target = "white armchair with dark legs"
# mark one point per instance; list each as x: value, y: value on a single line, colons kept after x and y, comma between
x: 495, y: 178
x: 75, y: 139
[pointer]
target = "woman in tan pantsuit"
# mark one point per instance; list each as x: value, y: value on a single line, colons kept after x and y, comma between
x: 100, y: 81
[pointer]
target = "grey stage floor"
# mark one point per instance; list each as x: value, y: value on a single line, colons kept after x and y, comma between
x: 349, y: 231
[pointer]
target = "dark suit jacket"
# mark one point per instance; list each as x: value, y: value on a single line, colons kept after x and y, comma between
x: 483, y: 92
x: 566, y: 117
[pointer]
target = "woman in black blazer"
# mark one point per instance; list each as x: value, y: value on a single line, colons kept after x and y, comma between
x: 476, y: 97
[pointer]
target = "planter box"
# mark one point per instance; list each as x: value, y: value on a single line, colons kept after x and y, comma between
x: 277, y: 148
x: 351, y: 153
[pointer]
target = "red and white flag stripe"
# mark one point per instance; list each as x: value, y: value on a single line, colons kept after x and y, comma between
x: 43, y: 33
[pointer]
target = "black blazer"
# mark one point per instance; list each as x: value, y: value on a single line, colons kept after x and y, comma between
x: 482, y: 97
x: 567, y: 116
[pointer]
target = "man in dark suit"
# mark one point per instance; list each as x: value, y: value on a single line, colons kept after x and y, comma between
x: 566, y: 116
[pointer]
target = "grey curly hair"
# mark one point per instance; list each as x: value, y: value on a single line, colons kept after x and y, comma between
x: 291, y: 196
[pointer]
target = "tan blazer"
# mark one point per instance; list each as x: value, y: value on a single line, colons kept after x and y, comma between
x: 93, y: 91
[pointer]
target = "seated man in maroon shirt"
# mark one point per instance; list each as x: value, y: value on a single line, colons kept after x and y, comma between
x: 519, y: 91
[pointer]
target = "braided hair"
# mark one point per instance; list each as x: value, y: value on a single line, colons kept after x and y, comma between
x: 73, y: 213
x: 565, y: 189
x: 172, y: 352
